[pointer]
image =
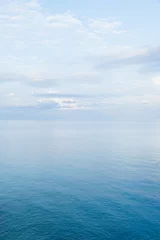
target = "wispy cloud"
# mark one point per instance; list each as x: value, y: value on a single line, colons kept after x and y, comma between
x: 12, y: 77
x: 61, y: 95
x: 144, y: 57
x: 94, y: 62
x: 103, y: 26
x: 45, y: 80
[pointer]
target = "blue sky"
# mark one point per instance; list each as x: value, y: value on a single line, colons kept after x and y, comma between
x: 77, y: 57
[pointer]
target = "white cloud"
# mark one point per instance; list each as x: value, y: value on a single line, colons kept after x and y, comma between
x: 103, y: 26
x: 46, y: 49
x: 65, y: 20
x: 33, y: 4
x: 11, y: 94
x: 156, y: 80
x: 146, y: 102
x: 61, y: 103
x: 4, y: 18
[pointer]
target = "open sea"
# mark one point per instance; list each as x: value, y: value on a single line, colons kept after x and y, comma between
x: 79, y: 180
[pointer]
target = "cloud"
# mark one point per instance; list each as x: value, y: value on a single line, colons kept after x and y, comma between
x: 64, y: 30
x: 7, y: 18
x: 43, y: 83
x: 150, y: 68
x: 104, y: 26
x: 12, y: 77
x: 61, y: 95
x: 52, y: 112
x: 58, y: 103
x: 144, y: 57
x: 42, y: 49
x: 40, y: 106
x: 45, y: 80
x: 85, y: 78
x: 44, y: 105
x: 51, y: 105
x: 33, y: 4
x: 156, y: 80
x: 11, y: 94
x: 69, y: 101
x: 146, y: 102
x: 65, y: 20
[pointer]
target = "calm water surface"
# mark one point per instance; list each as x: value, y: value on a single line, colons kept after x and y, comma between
x: 89, y: 181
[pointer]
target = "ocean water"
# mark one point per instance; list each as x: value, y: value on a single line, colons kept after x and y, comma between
x: 79, y: 180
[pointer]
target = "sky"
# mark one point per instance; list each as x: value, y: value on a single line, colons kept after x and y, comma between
x: 88, y: 59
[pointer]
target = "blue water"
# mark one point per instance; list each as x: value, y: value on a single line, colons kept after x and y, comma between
x: 81, y: 181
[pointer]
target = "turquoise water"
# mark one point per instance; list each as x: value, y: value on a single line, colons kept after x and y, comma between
x: 79, y: 180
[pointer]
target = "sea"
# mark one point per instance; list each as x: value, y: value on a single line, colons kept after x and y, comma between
x: 79, y: 180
